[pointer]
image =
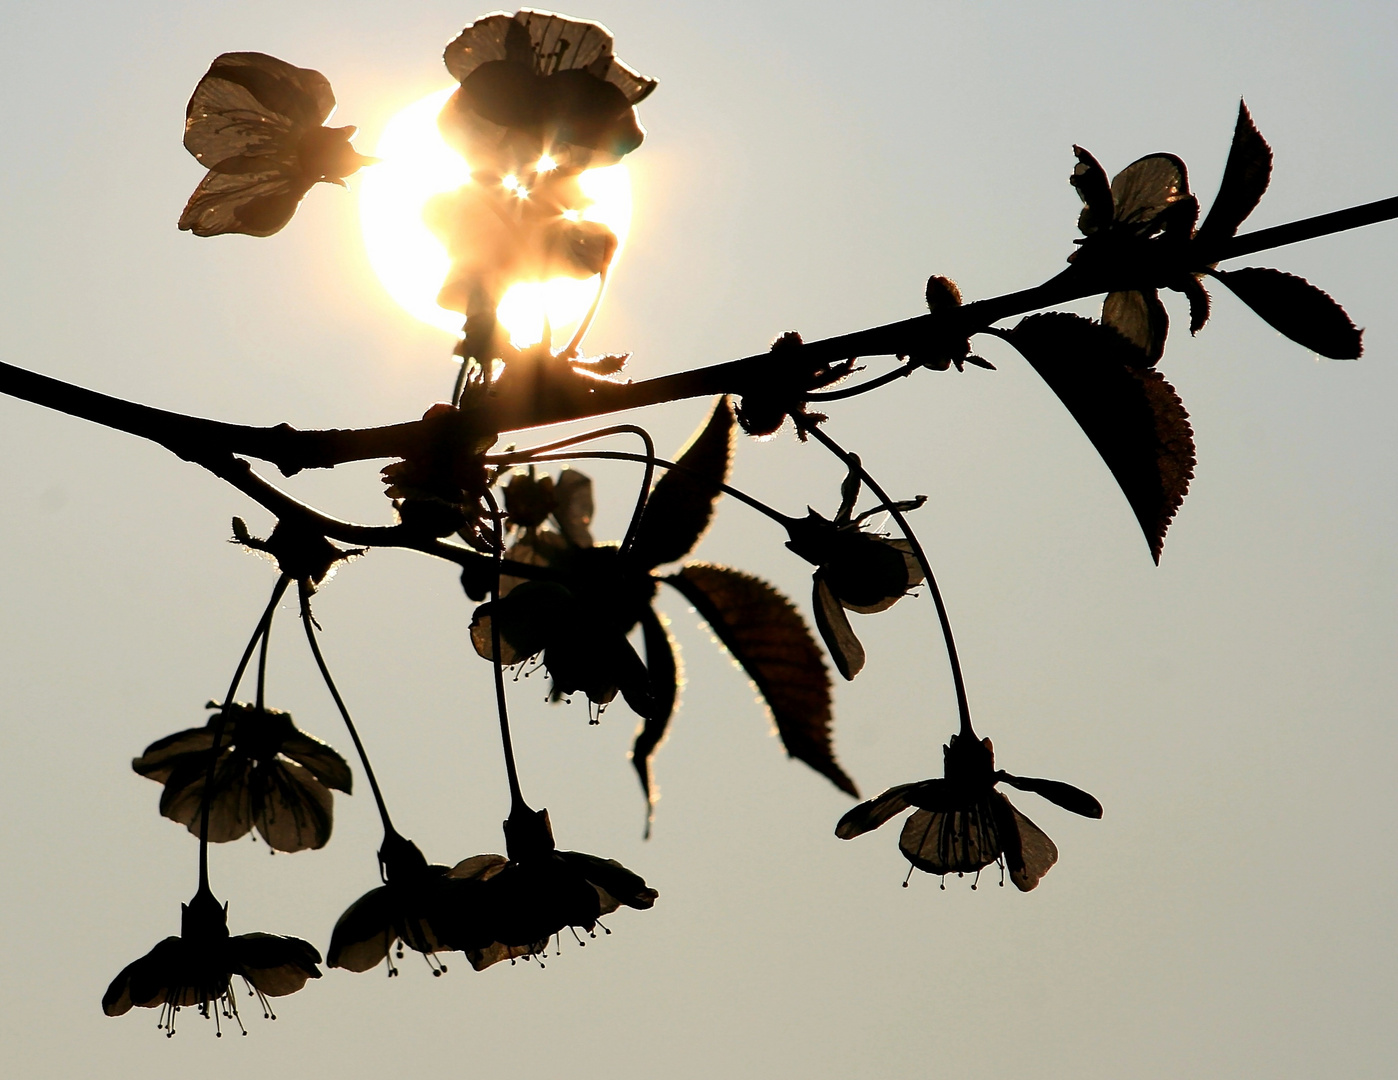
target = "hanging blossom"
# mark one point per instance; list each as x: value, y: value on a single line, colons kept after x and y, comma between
x: 579, y: 619
x: 196, y: 969
x: 270, y: 776
x: 961, y: 824
x: 537, y: 893
x: 856, y: 569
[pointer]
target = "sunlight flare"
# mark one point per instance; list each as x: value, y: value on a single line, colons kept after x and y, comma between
x: 412, y: 263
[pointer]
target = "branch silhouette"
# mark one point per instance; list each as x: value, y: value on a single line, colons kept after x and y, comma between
x: 291, y: 450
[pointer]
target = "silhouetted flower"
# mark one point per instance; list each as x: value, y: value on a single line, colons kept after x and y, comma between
x: 579, y: 618
x: 538, y: 891
x: 255, y: 122
x: 196, y: 968
x: 525, y: 226
x: 1148, y: 202
x: 417, y: 906
x: 536, y: 83
x: 856, y: 570
x: 438, y: 491
x: 270, y: 775
x: 962, y: 824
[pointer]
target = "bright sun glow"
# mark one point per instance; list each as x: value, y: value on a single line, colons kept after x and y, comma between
x: 415, y: 164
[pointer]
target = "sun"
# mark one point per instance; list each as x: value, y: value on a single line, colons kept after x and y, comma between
x: 415, y: 164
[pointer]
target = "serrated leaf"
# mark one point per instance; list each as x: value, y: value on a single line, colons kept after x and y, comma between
x: 664, y: 675
x: 767, y: 636
x: 1296, y: 308
x: 1130, y: 413
x: 1198, y: 297
x: 681, y: 504
x: 1245, y: 178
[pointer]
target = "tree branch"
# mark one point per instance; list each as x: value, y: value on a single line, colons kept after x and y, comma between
x: 546, y: 399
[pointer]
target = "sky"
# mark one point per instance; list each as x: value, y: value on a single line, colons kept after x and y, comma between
x: 807, y: 166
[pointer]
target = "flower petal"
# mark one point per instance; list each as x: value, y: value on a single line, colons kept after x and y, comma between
x: 322, y: 759
x: 1147, y: 187
x: 363, y: 934
x: 1139, y: 317
x: 1055, y: 791
x: 875, y: 812
x: 614, y: 883
x: 292, y: 809
x: 573, y: 490
x: 1037, y: 852
x: 832, y: 622
x: 1089, y: 179
x: 952, y: 841
x: 275, y: 965
x: 163, y: 756
x: 230, y: 806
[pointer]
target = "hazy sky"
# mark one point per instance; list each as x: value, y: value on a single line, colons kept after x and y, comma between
x: 807, y: 167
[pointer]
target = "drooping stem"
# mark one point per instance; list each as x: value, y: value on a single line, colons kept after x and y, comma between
x: 583, y: 327
x: 309, y: 623
x: 851, y: 461
x: 262, y: 668
x: 206, y: 799
x: 506, y: 744
x: 660, y: 462
x: 649, y: 459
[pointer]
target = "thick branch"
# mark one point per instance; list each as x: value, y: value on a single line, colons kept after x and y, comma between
x: 578, y: 397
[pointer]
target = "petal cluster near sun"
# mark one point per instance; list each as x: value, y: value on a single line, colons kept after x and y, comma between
x: 415, y: 163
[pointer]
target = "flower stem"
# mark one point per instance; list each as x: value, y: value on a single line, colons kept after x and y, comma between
x: 576, y: 344
x: 649, y: 459
x: 262, y: 668
x: 728, y: 489
x: 206, y: 799
x: 309, y: 623
x: 511, y: 773
x: 851, y: 461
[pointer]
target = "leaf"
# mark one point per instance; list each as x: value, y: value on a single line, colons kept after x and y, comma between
x: 1055, y: 791
x: 1245, y: 178
x: 681, y: 504
x: 664, y: 675
x: 832, y: 622
x: 768, y: 637
x: 1296, y: 308
x: 1131, y: 414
